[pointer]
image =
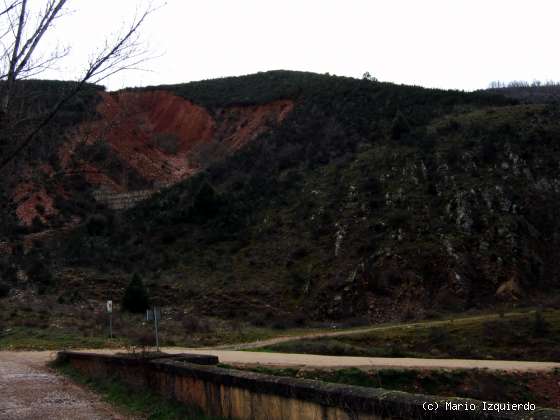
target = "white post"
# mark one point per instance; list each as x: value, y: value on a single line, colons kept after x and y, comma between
x: 110, y: 310
x: 156, y: 325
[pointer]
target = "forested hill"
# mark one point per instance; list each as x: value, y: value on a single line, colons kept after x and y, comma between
x: 365, y: 199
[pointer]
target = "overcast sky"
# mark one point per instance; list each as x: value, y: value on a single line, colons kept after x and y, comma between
x: 461, y: 44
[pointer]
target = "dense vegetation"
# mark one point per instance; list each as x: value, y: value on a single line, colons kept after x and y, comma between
x: 262, y: 88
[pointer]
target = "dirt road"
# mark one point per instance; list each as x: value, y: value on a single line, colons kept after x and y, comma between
x: 362, y: 330
x: 310, y: 360
x: 30, y: 391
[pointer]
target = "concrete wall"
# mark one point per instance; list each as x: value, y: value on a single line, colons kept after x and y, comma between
x: 126, y: 200
x: 246, y: 395
x: 123, y: 201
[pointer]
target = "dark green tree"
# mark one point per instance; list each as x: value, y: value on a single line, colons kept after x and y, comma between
x: 41, y: 275
x: 135, y: 297
x: 4, y: 289
x: 206, y: 204
x: 399, y: 127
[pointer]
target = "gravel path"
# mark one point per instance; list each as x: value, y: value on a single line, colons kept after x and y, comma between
x: 311, y: 360
x: 30, y: 391
x: 363, y: 330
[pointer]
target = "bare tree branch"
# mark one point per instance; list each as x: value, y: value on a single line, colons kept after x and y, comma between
x: 10, y: 7
x: 21, y: 51
x: 52, y: 10
x: 124, y: 52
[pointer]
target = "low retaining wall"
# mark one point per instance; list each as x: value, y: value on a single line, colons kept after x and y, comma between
x: 123, y: 201
x: 247, y: 395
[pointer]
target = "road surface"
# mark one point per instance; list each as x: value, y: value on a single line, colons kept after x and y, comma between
x: 363, y: 330
x: 30, y: 391
x: 311, y: 360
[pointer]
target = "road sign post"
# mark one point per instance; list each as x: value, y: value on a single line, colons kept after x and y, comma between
x: 155, y: 315
x: 110, y: 311
x: 156, y: 325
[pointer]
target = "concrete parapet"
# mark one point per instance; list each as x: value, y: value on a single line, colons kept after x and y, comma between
x: 247, y: 395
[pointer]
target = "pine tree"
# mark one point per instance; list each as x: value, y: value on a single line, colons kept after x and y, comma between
x: 399, y: 126
x: 135, y: 297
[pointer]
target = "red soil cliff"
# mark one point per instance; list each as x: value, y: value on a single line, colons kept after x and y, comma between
x: 158, y: 137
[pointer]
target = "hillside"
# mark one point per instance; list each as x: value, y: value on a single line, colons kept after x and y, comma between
x: 319, y: 197
x: 123, y: 142
x: 526, y: 93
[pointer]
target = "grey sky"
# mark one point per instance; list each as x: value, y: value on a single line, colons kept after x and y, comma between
x: 461, y: 44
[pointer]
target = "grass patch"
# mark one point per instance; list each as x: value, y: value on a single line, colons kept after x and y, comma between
x: 225, y: 334
x: 144, y: 403
x: 23, y: 338
x: 529, y: 336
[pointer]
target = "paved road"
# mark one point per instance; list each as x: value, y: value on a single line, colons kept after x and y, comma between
x: 30, y: 391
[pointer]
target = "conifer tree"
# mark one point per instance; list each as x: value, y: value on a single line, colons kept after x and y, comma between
x: 135, y: 297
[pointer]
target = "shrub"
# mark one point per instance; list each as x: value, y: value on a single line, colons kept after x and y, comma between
x: 540, y: 326
x: 279, y: 324
x: 4, y: 289
x: 553, y: 303
x: 96, y: 152
x: 431, y: 189
x: 408, y: 314
x: 489, y: 152
x: 40, y: 274
x: 40, y: 208
x: 399, y: 126
x: 330, y: 347
x: 453, y: 156
x: 498, y: 331
x: 96, y: 224
x: 37, y: 224
x: 168, y: 142
x: 432, y: 314
x: 135, y: 297
x: 192, y: 324
x: 206, y: 204
x: 372, y: 186
x: 398, y: 218
x: 453, y: 125
x: 142, y: 340
x: 359, y: 321
x: 439, y: 335
x: 299, y: 253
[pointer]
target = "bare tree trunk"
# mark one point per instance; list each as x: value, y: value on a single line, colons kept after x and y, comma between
x: 11, y: 77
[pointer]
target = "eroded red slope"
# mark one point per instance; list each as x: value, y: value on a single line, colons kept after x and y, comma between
x: 134, y: 123
x: 152, y: 136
